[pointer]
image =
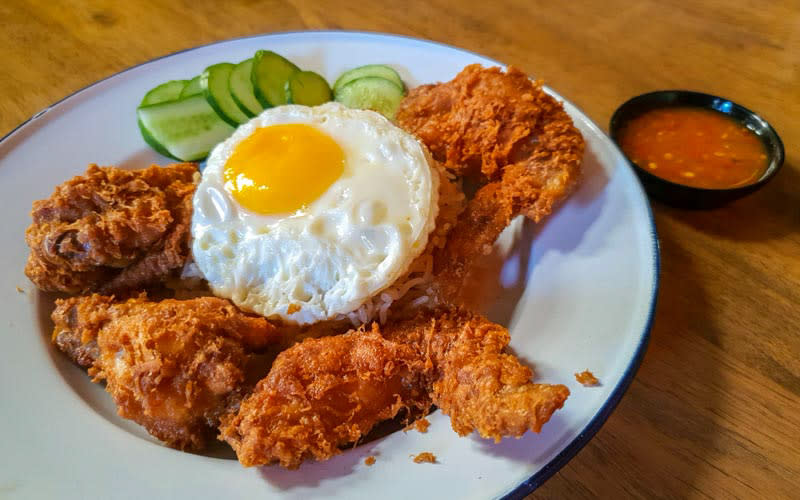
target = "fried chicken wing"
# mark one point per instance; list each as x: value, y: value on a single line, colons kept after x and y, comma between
x: 325, y: 393
x: 111, y: 229
x: 511, y: 137
x: 172, y: 366
x: 473, y: 379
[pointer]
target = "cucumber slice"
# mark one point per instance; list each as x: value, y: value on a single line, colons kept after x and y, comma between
x: 165, y: 92
x: 214, y: 82
x: 380, y: 70
x: 192, y: 88
x: 269, y: 76
x: 187, y: 128
x: 150, y: 140
x: 371, y: 92
x: 307, y: 88
x: 241, y: 88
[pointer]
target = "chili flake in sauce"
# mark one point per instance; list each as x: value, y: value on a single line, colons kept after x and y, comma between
x: 695, y: 147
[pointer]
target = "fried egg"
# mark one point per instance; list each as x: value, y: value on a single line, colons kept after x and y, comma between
x: 305, y: 213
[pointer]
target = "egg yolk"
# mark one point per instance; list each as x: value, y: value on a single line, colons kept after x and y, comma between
x: 283, y: 168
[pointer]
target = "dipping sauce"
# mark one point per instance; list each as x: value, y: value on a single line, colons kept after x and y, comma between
x: 694, y: 147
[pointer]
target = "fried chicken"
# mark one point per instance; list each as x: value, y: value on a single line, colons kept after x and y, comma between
x: 172, y: 366
x: 473, y: 378
x: 111, y: 230
x: 181, y: 368
x: 505, y: 132
x: 325, y: 393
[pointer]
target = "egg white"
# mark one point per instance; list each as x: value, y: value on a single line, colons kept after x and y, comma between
x: 345, y: 247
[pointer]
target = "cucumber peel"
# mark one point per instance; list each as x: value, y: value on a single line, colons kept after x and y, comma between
x: 168, y: 91
x: 269, y: 76
x: 380, y: 70
x: 307, y: 88
x: 192, y: 87
x: 241, y: 88
x: 151, y: 141
x: 214, y: 82
x: 373, y: 93
x: 187, y: 128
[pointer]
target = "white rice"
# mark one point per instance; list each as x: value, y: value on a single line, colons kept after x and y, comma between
x: 416, y: 282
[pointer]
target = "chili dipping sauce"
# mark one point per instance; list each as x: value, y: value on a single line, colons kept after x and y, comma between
x: 694, y: 147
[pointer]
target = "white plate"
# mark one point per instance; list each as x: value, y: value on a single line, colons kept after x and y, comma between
x: 577, y: 292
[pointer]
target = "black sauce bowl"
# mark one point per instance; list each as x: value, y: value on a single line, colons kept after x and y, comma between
x: 688, y: 196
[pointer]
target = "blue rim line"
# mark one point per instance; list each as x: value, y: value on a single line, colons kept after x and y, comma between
x: 594, y: 425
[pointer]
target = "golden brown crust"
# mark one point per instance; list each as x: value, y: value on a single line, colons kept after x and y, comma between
x: 172, y: 366
x: 586, y: 379
x: 112, y: 229
x: 420, y: 425
x: 425, y: 457
x: 473, y: 378
x: 325, y: 393
x: 485, y: 119
x: 322, y: 394
x: 516, y: 141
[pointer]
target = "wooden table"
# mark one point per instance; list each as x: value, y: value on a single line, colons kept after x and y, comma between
x: 715, y: 408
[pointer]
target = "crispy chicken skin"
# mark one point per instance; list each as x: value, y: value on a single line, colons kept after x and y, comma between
x: 507, y: 134
x: 325, y: 393
x: 473, y: 379
x: 111, y: 230
x: 172, y: 366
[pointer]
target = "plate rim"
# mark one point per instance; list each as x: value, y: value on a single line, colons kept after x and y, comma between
x: 616, y: 395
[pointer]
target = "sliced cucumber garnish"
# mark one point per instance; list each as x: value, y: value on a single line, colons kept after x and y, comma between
x: 269, y: 76
x: 192, y: 88
x: 165, y: 92
x: 371, y: 92
x: 307, y: 88
x: 214, y: 82
x: 185, y: 119
x: 187, y: 128
x: 242, y: 88
x: 380, y: 70
x: 168, y: 91
x: 150, y: 140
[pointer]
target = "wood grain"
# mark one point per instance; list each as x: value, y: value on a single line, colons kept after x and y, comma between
x: 714, y: 410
